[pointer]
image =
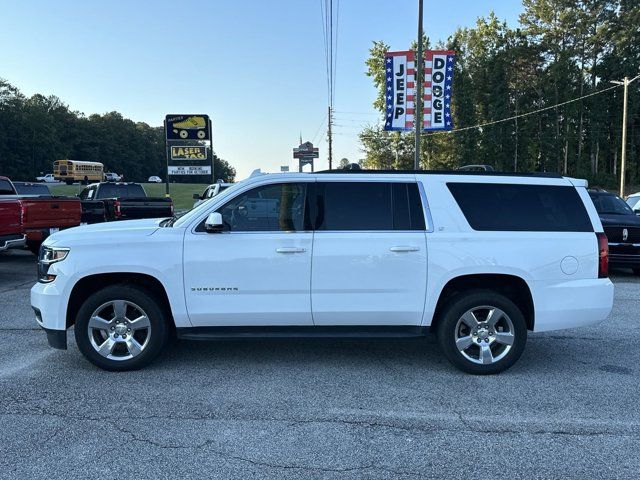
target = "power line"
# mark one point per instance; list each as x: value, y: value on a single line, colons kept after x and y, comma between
x: 523, y: 114
x: 330, y: 38
x: 527, y: 114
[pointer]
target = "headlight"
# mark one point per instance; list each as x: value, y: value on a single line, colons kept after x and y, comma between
x: 48, y: 256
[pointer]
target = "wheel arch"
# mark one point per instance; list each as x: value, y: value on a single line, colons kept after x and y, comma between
x: 511, y: 286
x: 91, y: 283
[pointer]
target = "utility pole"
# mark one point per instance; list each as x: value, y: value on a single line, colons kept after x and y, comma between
x: 330, y: 121
x: 417, y: 121
x: 625, y: 83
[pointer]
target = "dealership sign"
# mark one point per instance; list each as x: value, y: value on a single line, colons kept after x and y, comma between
x: 192, y: 126
x: 399, y: 90
x: 438, y: 79
x: 188, y: 153
x: 189, y: 170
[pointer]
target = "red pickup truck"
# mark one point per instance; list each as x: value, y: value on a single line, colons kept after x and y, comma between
x: 42, y: 216
x: 11, y: 235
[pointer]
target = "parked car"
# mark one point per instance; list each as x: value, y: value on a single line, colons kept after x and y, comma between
x: 11, y: 234
x: 476, y: 168
x: 112, y: 177
x: 210, y: 192
x: 42, y: 216
x: 154, y: 179
x: 27, y: 189
x: 48, y: 178
x: 478, y: 259
x: 622, y: 227
x: 633, y: 201
x: 122, y: 201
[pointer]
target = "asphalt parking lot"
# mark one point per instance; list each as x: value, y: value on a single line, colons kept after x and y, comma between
x: 302, y: 409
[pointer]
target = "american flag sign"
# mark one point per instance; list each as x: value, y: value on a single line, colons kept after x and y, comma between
x: 438, y: 78
x: 399, y: 90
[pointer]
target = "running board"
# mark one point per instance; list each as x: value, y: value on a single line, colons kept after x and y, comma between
x: 275, y: 332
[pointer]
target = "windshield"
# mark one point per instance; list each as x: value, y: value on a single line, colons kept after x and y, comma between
x: 611, y: 205
x: 187, y: 217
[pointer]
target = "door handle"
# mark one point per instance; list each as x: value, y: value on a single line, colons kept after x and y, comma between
x: 291, y: 250
x: 403, y: 248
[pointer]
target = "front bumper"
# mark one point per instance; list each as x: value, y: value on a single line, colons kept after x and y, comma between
x: 49, y: 306
x: 56, y: 338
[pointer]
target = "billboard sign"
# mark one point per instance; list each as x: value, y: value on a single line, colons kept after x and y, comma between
x: 189, y: 170
x: 188, y: 152
x: 399, y: 90
x: 187, y: 127
x: 438, y: 79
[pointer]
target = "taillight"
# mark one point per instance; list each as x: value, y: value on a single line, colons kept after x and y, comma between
x: 116, y: 208
x: 22, y: 212
x: 603, y: 255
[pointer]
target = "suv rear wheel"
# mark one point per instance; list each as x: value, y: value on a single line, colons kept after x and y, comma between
x: 482, y: 332
x: 121, y: 327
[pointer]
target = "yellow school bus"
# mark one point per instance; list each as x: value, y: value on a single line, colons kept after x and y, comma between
x: 70, y: 171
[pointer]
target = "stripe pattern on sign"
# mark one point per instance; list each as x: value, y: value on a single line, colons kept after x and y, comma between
x: 399, y: 90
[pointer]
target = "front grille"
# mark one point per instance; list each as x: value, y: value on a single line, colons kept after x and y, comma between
x: 615, y: 234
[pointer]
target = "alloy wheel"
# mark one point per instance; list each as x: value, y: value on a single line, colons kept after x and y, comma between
x: 119, y: 330
x: 484, y: 335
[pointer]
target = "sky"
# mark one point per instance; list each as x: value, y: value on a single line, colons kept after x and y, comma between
x: 256, y: 67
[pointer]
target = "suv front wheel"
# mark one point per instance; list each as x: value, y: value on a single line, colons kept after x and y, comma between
x: 121, y: 327
x: 482, y: 332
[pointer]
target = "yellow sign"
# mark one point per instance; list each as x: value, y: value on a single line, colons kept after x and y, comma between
x: 188, y: 153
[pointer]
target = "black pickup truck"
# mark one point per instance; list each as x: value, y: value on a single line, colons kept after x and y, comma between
x: 622, y: 227
x: 108, y: 201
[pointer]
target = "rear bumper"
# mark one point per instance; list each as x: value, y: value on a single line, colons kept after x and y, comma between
x: 572, y: 304
x: 12, y: 241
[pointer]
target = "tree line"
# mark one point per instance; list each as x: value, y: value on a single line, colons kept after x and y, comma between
x: 36, y: 130
x: 561, y: 50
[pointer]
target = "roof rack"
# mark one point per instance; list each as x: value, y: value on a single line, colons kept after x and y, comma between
x: 449, y: 172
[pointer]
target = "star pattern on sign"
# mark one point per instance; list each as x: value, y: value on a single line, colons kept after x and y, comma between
x: 388, y: 70
x: 447, y: 104
x: 389, y: 60
x: 388, y: 79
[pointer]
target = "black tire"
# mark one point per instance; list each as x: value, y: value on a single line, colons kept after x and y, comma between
x: 448, y: 325
x: 158, y: 332
x: 636, y: 271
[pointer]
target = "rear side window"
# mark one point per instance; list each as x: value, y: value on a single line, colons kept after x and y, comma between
x: 508, y: 207
x: 344, y: 206
x: 32, y: 189
x: 121, y: 191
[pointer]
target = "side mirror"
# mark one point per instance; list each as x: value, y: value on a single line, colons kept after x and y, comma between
x: 196, y: 196
x: 213, y: 223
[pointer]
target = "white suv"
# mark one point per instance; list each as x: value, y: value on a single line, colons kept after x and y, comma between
x: 479, y: 258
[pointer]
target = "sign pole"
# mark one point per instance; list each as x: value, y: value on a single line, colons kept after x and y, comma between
x: 166, y: 152
x: 419, y: 71
x: 213, y: 173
